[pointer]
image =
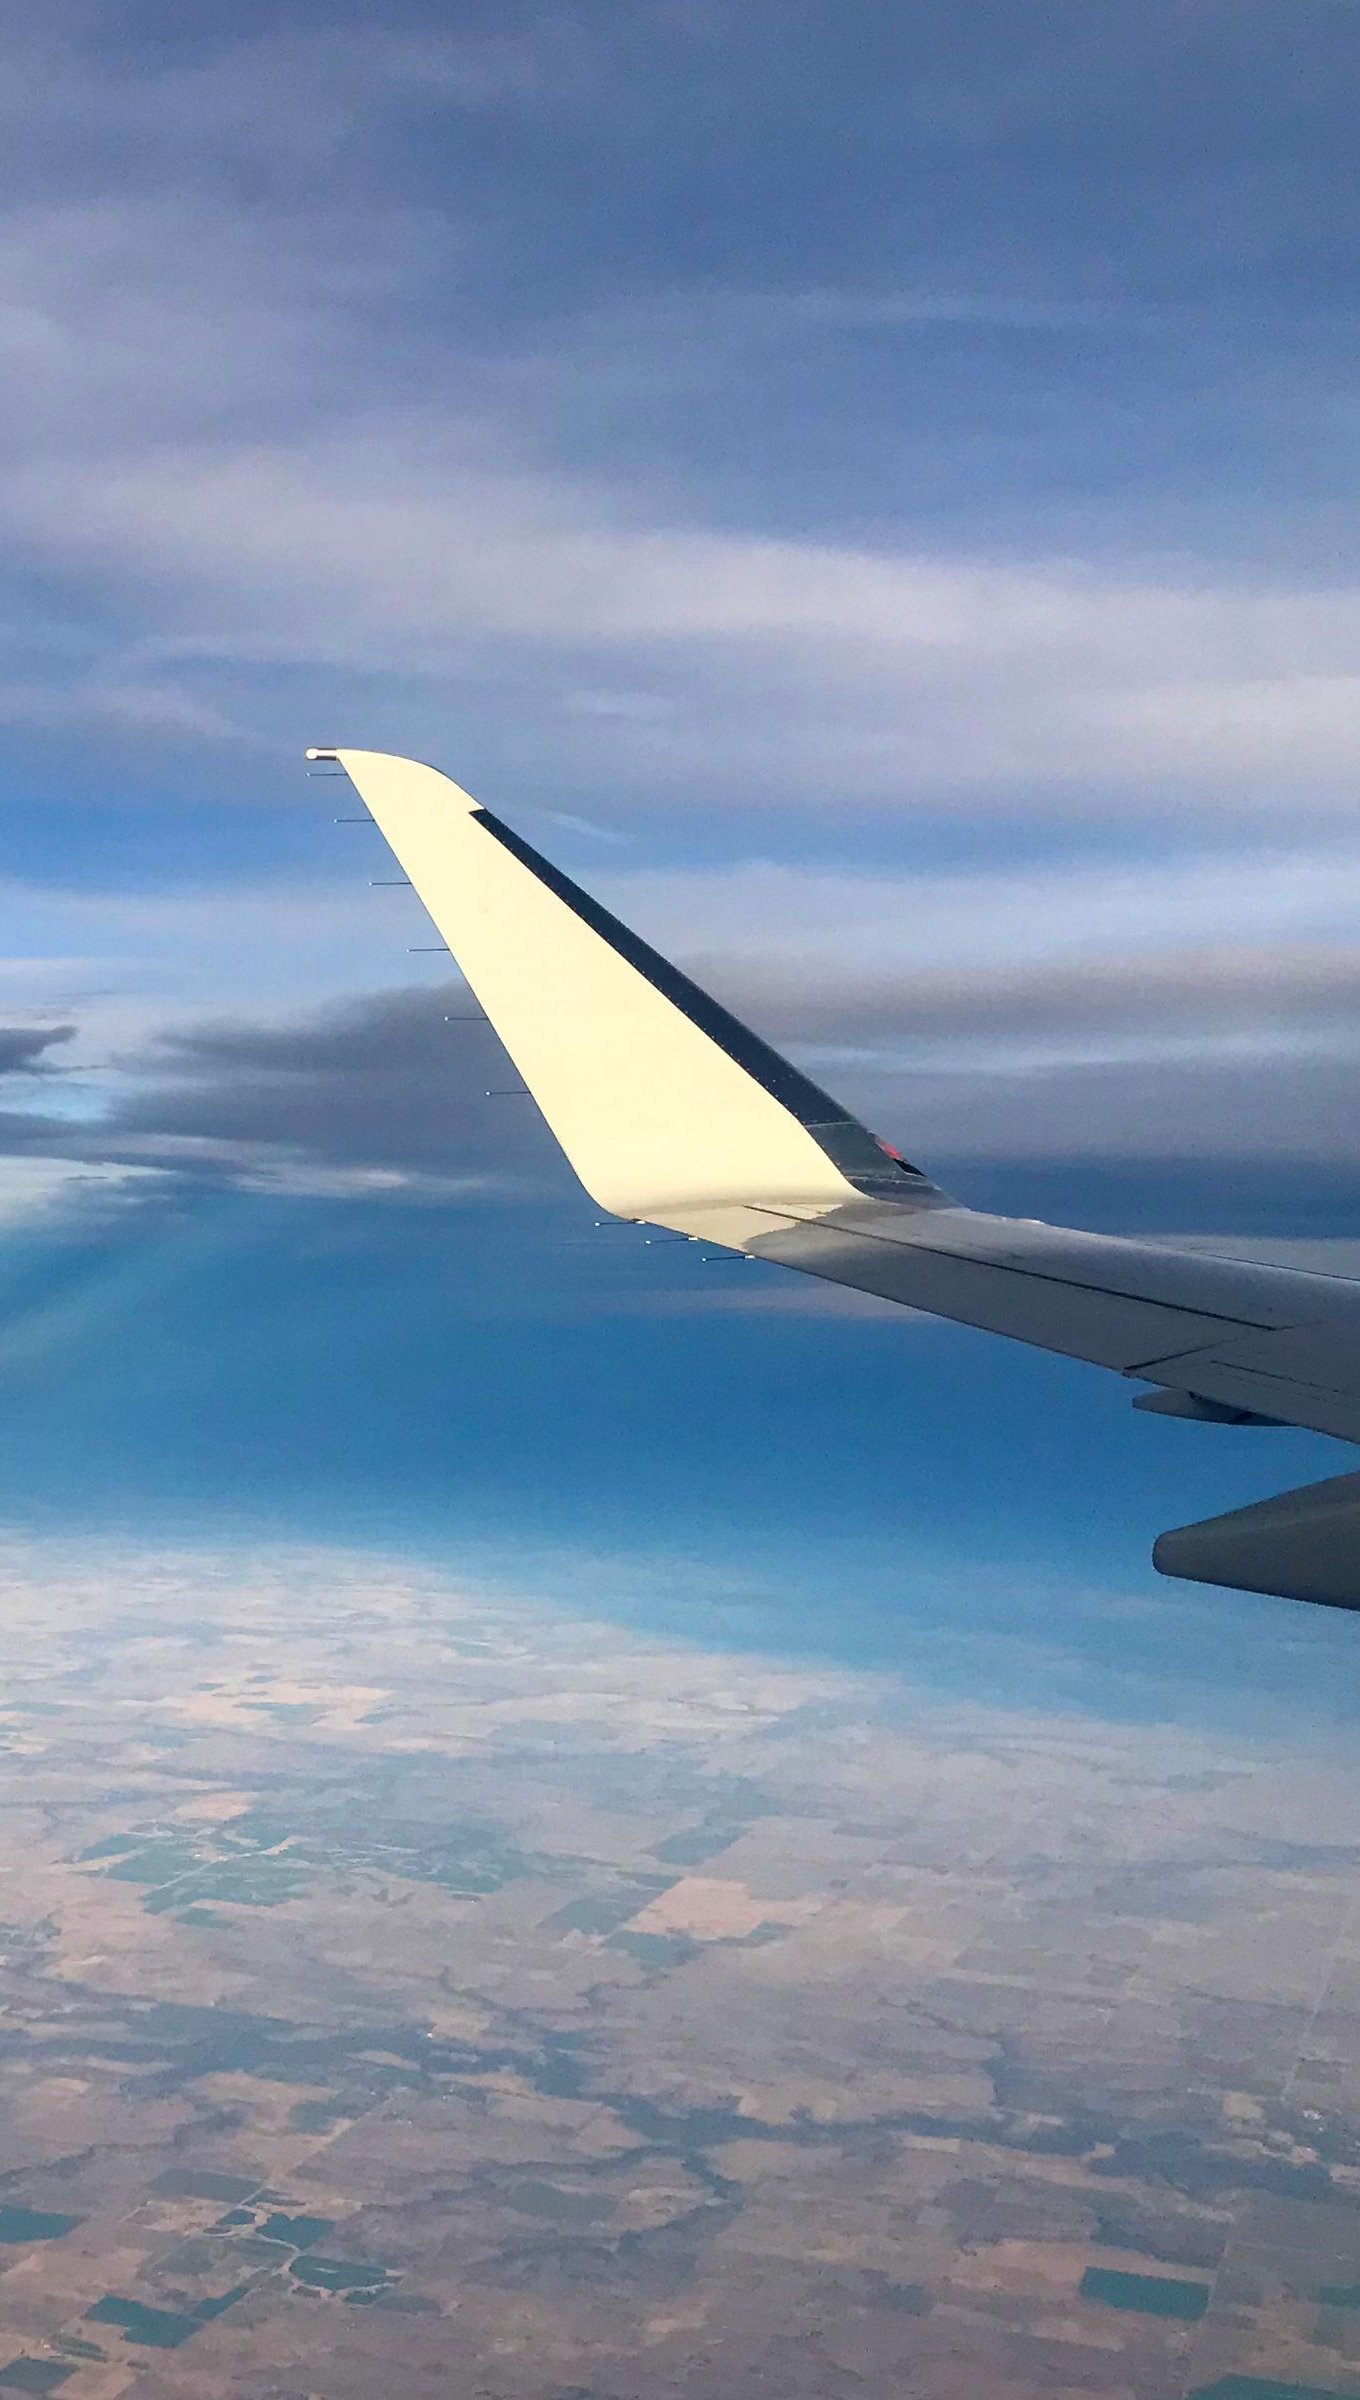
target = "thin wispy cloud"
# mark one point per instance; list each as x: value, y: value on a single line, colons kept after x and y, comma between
x: 275, y: 431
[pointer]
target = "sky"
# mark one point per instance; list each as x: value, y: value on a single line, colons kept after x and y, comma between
x: 872, y: 494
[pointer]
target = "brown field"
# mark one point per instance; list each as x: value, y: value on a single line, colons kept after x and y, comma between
x: 404, y: 1994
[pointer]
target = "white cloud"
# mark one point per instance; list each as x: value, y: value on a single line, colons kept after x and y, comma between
x: 212, y: 447
x: 133, y: 954
x: 819, y: 922
x: 399, y: 544
x: 36, y: 1188
x: 776, y: 939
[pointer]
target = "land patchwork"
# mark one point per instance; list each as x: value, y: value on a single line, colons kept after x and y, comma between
x: 407, y: 1989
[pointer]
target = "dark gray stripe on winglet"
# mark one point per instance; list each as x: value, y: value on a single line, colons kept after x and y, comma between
x: 849, y: 1144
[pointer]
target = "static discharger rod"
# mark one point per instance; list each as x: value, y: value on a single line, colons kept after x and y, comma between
x: 509, y: 1091
x: 390, y: 883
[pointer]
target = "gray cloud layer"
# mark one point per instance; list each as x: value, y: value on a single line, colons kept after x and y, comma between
x: 1134, y: 999
x: 23, y: 1048
x: 373, y: 1098
x: 1193, y: 1055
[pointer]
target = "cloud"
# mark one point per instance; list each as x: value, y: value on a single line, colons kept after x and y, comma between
x: 405, y: 545
x: 768, y: 932
x: 373, y: 1099
x: 1289, y: 1110
x: 124, y: 963
x: 1209, y: 1008
x: 215, y: 470
x: 1189, y: 1054
x: 41, y: 1187
x: 1307, y: 997
x: 761, y: 917
x: 23, y: 1048
x: 379, y: 1088
x: 328, y: 420
x: 298, y: 91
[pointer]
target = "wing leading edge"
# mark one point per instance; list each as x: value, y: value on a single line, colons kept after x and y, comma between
x: 672, y: 1112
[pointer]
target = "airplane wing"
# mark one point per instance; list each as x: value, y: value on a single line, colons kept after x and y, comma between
x: 673, y: 1114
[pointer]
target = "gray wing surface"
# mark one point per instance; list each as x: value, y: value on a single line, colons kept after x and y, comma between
x: 672, y: 1113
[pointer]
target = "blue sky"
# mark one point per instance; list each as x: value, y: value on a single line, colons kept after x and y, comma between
x: 872, y: 492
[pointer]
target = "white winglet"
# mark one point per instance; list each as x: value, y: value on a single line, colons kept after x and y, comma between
x: 667, y: 1108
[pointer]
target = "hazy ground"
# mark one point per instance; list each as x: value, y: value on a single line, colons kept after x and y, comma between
x: 406, y: 1990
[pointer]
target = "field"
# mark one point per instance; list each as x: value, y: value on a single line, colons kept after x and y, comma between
x: 408, y: 1992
